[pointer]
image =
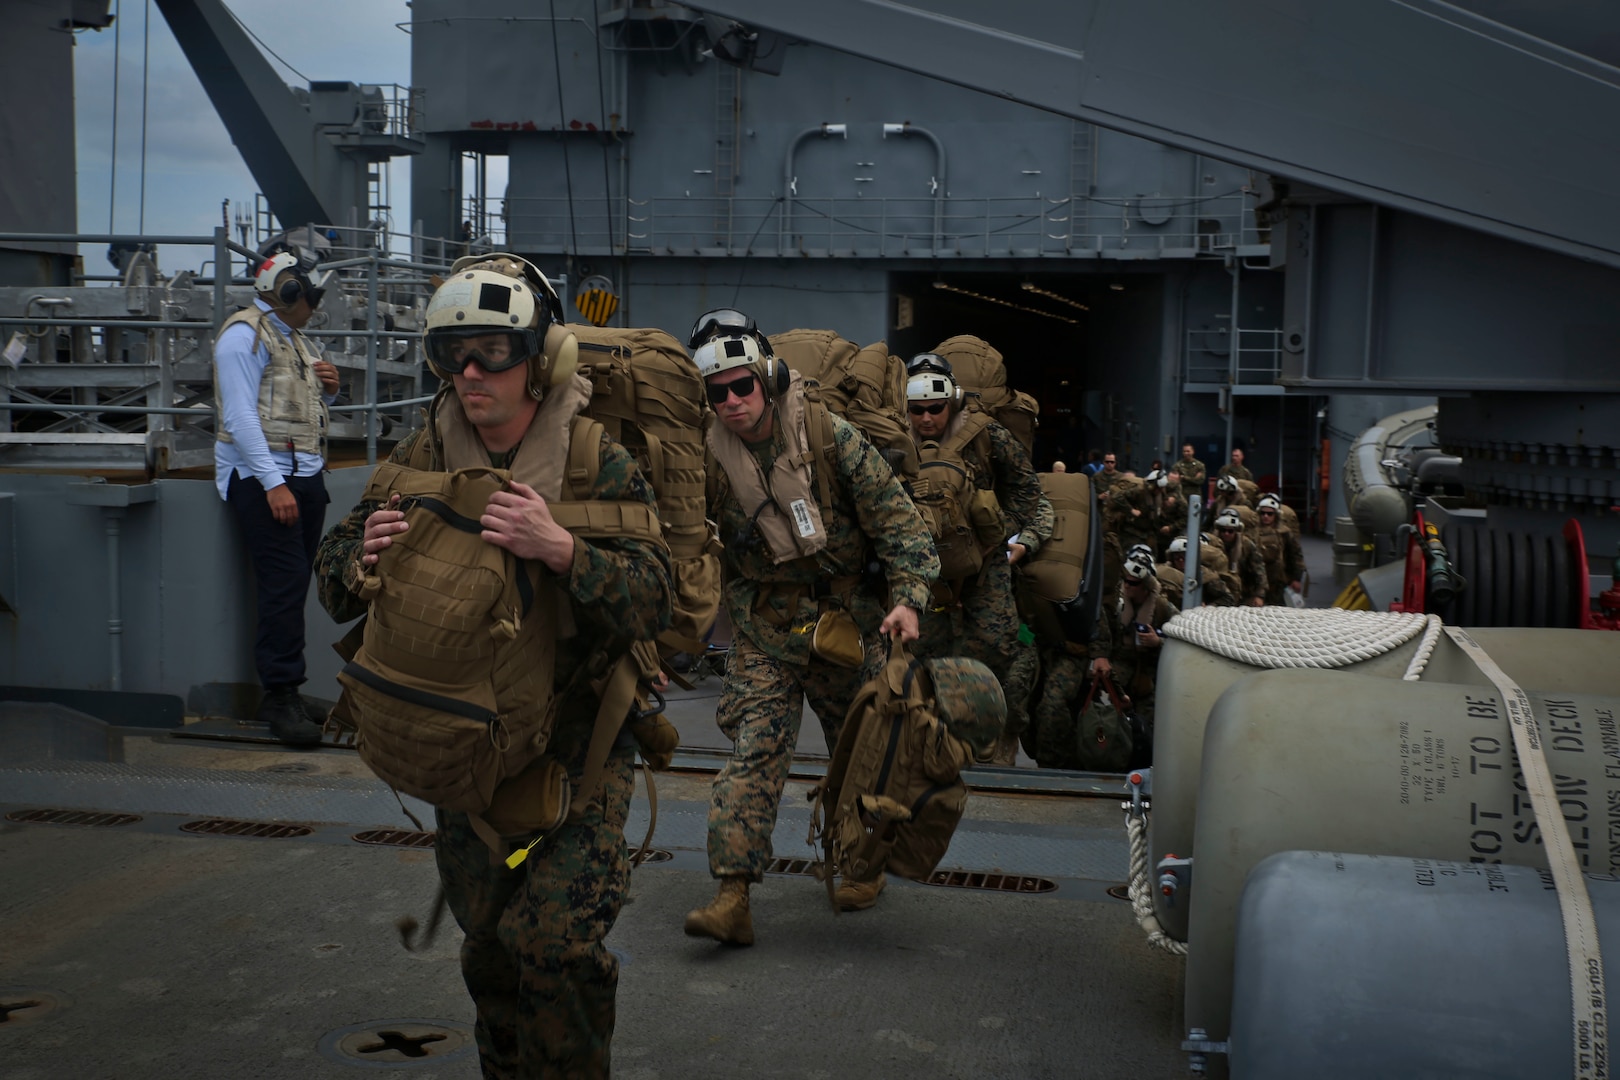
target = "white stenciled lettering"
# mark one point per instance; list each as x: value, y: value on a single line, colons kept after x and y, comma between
x: 801, y: 518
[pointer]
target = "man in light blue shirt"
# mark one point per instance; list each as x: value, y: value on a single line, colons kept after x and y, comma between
x: 272, y: 394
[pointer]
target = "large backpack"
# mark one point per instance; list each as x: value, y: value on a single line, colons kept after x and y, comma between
x: 1060, y: 586
x: 962, y: 517
x: 649, y: 397
x: 865, y: 386
x: 451, y: 679
x: 978, y: 369
x: 893, y: 793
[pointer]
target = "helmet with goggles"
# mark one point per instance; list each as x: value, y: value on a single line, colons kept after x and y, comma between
x: 1177, y: 546
x: 1138, y: 567
x: 933, y: 386
x: 1229, y: 519
x: 926, y: 362
x: 727, y: 322
x: 1269, y: 502
x: 727, y: 352
x: 500, y: 312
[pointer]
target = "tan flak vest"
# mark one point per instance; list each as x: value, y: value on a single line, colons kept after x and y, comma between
x: 291, y: 410
x: 782, y: 505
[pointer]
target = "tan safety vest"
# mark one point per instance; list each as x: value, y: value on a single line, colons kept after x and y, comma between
x: 291, y: 410
x: 782, y: 505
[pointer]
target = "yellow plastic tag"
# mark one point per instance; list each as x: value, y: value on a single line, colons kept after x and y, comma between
x: 514, y: 860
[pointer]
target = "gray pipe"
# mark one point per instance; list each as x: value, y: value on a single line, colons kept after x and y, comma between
x: 790, y: 182
x: 905, y: 128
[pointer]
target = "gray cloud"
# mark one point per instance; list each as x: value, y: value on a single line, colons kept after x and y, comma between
x: 191, y: 164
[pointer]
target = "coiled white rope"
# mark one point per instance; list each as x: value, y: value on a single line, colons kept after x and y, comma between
x: 1286, y: 637
x: 1137, y: 889
x: 1276, y: 637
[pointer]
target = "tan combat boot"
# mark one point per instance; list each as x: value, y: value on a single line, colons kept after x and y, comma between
x: 726, y: 917
x: 858, y: 895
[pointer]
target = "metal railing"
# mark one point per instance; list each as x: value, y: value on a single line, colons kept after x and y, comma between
x: 1209, y: 358
x: 102, y: 371
x: 881, y: 227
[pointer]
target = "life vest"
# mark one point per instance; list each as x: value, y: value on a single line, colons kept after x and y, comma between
x: 291, y: 411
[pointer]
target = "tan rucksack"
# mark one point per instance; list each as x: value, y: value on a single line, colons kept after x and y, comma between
x: 451, y: 680
x: 978, y: 369
x: 648, y: 395
x: 1060, y: 586
x: 964, y: 519
x: 864, y: 385
x: 893, y: 793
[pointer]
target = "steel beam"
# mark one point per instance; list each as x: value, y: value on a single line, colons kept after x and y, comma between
x: 300, y: 171
x: 1413, y: 104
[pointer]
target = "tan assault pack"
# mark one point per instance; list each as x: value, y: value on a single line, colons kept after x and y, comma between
x: 893, y: 793
x: 964, y: 519
x: 649, y: 397
x: 978, y: 369
x: 452, y: 681
x: 865, y: 386
x: 1060, y: 586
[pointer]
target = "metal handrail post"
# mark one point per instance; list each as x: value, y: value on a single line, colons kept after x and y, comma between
x: 371, y: 362
x: 222, y: 272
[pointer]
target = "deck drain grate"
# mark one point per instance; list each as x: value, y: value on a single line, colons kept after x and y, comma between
x: 22, y: 1005
x: 1120, y: 892
x: 268, y: 830
x: 971, y: 879
x: 806, y: 867
x: 71, y: 817
x: 395, y: 838
x: 652, y: 855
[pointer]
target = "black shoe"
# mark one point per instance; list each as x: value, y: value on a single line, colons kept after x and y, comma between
x: 282, y: 708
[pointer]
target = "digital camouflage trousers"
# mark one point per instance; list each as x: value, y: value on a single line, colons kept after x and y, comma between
x: 533, y: 959
x: 761, y: 707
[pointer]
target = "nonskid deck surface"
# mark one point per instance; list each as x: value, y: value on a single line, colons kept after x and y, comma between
x: 144, y: 950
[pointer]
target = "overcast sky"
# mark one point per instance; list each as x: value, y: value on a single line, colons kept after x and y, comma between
x: 191, y: 164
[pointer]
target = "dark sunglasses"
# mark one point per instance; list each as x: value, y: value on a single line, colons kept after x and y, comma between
x: 932, y: 410
x: 743, y: 387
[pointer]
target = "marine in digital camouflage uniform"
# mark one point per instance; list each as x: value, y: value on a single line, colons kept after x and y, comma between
x: 533, y: 957
x: 1246, y: 573
x: 1191, y: 471
x: 774, y: 606
x: 1052, y: 730
x: 1235, y: 468
x: 978, y: 617
x: 1169, y: 512
x: 1279, y: 551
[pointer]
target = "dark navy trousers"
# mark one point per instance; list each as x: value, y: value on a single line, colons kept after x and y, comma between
x: 283, y: 557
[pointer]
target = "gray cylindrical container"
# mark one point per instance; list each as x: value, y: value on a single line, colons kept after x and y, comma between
x: 1324, y: 761
x: 1353, y: 966
x: 1349, y: 558
x: 1192, y: 678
